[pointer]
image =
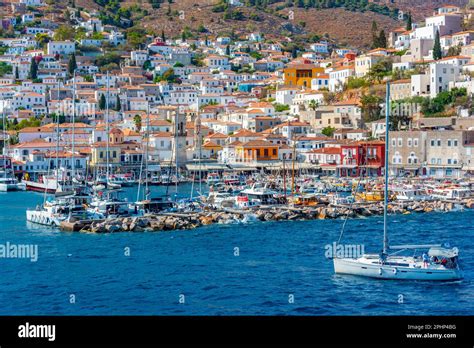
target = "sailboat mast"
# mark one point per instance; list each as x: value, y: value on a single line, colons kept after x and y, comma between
x: 107, y: 129
x: 5, y: 150
x: 57, y: 140
x: 147, y: 134
x: 385, y: 205
x: 73, y: 126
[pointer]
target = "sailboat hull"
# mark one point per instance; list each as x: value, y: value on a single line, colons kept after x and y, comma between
x: 355, y: 267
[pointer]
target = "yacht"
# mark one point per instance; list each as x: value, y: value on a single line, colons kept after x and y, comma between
x: 440, y: 262
x: 62, y: 208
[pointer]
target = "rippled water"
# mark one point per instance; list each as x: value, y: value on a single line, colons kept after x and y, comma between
x: 276, y: 260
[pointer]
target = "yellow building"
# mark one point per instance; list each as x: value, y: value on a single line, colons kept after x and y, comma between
x: 256, y: 150
x: 99, y: 149
x: 301, y: 74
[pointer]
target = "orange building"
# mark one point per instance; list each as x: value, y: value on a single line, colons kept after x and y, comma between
x: 301, y: 74
x: 256, y: 150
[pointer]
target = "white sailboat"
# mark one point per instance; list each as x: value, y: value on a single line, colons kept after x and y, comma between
x: 439, y: 262
x: 8, y: 181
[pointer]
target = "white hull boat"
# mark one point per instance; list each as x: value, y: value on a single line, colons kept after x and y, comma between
x: 439, y: 263
x: 397, y: 268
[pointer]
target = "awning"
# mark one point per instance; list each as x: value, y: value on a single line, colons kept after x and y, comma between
x: 348, y: 166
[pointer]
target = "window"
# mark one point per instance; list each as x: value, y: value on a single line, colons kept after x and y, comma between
x: 449, y: 142
x: 400, y: 142
x: 409, y: 142
x: 439, y: 142
x: 415, y: 142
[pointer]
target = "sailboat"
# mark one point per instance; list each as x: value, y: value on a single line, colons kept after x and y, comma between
x: 439, y: 262
x: 8, y: 181
x: 148, y: 204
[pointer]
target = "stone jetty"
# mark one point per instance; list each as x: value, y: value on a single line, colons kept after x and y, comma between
x: 192, y: 220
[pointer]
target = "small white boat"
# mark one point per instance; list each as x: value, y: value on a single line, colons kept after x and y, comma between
x: 8, y: 182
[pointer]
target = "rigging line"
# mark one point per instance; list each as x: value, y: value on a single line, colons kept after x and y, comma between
x: 353, y: 192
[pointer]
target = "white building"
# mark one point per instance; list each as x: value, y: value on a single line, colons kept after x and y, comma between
x: 61, y: 47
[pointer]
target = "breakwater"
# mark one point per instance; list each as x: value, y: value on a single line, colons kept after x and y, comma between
x: 191, y: 220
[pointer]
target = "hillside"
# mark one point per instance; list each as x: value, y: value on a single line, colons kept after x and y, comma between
x: 347, y: 26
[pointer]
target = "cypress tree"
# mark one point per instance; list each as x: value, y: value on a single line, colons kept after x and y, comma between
x: 33, y: 69
x: 437, y: 52
x: 382, y: 39
x: 409, y: 22
x: 102, y: 102
x: 375, y: 37
x: 72, y: 65
x: 118, y: 104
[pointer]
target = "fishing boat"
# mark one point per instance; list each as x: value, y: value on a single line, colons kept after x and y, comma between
x: 213, y: 179
x: 439, y: 262
x: 109, y: 204
x: 451, y: 193
x: 231, y: 179
x: 56, y: 182
x: 369, y: 196
x: 260, y: 194
x: 410, y: 194
x: 152, y: 205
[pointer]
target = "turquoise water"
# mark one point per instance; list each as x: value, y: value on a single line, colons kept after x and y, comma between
x: 276, y: 262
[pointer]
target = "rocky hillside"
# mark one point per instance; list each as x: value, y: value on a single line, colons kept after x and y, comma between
x: 348, y: 24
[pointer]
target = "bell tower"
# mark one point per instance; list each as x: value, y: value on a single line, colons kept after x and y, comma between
x: 180, y: 138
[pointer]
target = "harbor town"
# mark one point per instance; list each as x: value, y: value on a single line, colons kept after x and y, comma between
x: 251, y: 130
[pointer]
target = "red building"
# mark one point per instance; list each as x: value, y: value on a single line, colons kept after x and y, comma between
x: 362, y: 158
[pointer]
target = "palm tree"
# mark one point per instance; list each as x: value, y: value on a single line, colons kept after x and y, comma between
x: 137, y: 119
x: 313, y: 104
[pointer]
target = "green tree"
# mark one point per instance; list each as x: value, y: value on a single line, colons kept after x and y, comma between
x: 374, y: 31
x: 313, y: 104
x: 328, y: 131
x: 64, y: 32
x: 409, y: 22
x: 437, y: 52
x: 371, y: 109
x: 102, y: 102
x: 118, y: 104
x: 382, y: 39
x: 136, y: 36
x: 33, y: 70
x: 72, y: 65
